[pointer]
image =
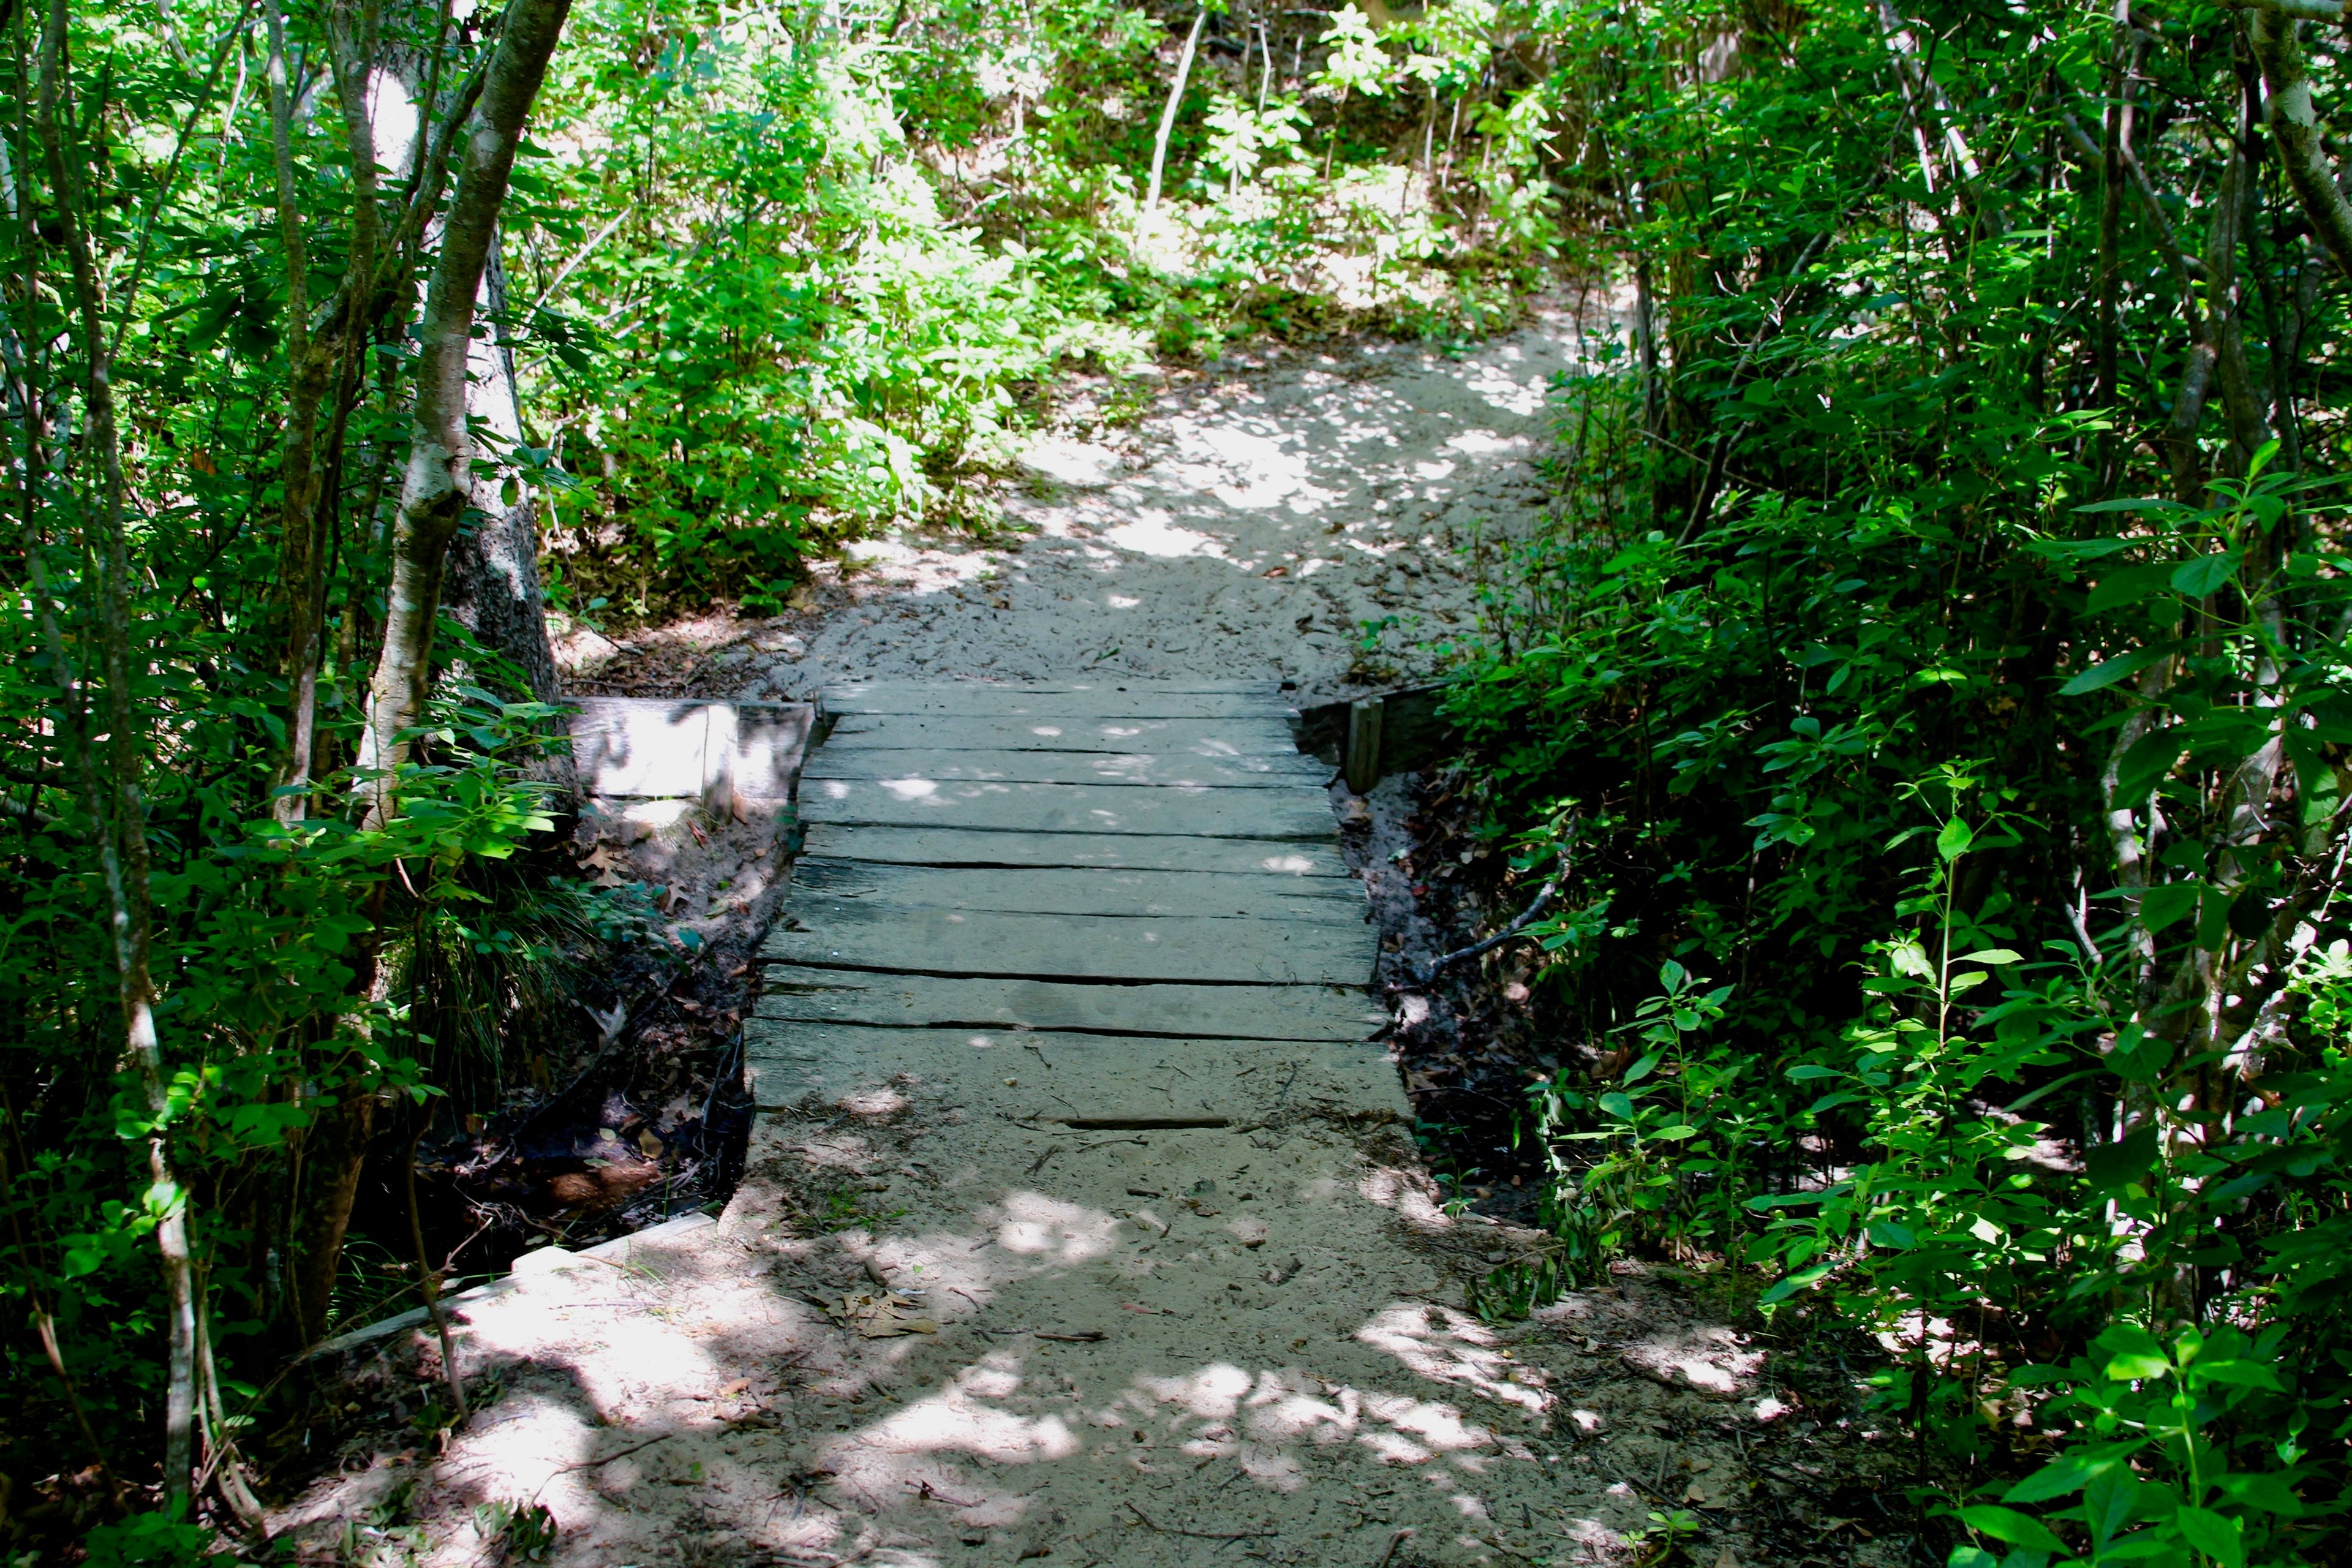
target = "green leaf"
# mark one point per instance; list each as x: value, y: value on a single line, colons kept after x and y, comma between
x: 2111, y: 1167
x: 2105, y: 675
x: 2205, y: 574
x: 1618, y: 1106
x: 2167, y: 903
x: 2069, y: 1472
x: 2210, y: 1532
x: 2144, y: 766
x: 2157, y: 504
x: 2007, y: 1524
x: 2267, y: 1493
x: 1995, y: 955
x: 1954, y: 840
x: 2133, y: 1354
x: 1792, y: 1284
x: 2126, y: 586
x: 2238, y: 1374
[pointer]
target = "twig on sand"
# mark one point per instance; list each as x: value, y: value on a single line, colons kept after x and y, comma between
x: 1396, y: 1538
x: 1202, y: 1534
x: 593, y: 1464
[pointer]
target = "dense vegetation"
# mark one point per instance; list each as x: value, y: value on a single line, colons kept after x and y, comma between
x: 1933, y: 677
x: 1937, y: 689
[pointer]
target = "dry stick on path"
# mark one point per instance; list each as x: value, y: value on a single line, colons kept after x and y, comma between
x: 1200, y: 1534
x: 123, y: 821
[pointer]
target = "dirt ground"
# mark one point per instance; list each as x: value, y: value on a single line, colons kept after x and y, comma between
x: 901, y: 1343
x: 1263, y: 517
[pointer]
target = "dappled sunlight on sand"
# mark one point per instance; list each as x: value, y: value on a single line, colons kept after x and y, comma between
x: 1447, y: 1346
x: 1048, y: 1229
x: 1413, y: 1195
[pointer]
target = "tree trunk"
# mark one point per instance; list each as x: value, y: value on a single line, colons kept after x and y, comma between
x: 435, y: 490
x: 493, y: 584
x: 1167, y: 115
x: 334, y: 1146
x: 438, y: 484
x: 117, y: 807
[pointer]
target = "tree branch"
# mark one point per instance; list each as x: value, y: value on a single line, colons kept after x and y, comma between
x: 2296, y: 123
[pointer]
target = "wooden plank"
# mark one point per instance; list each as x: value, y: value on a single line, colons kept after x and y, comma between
x: 1084, y: 699
x: 624, y: 747
x: 1121, y: 851
x: 1137, y: 769
x: 920, y: 1001
x: 1255, y: 737
x: 849, y: 934
x: 1202, y: 811
x: 1413, y: 734
x: 738, y: 753
x: 1083, y: 892
x: 1271, y: 690
x: 1057, y: 1076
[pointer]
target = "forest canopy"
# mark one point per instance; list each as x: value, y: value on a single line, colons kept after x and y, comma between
x: 1928, y: 697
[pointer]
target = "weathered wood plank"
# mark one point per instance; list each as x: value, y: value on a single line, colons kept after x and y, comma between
x: 848, y: 934
x: 919, y: 1001
x: 723, y: 753
x: 1265, y: 736
x: 1057, y: 1076
x: 1125, y: 768
x: 1123, y: 851
x: 1201, y: 811
x: 1089, y: 699
x: 1083, y: 892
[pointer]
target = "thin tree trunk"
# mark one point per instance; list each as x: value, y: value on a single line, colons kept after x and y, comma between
x: 125, y: 853
x: 2111, y: 209
x: 493, y: 587
x: 306, y: 385
x: 2296, y: 123
x: 438, y: 484
x: 1167, y: 115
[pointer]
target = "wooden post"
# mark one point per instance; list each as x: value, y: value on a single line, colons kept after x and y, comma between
x: 1363, y: 766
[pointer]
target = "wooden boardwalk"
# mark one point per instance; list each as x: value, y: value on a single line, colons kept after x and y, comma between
x: 1136, y: 880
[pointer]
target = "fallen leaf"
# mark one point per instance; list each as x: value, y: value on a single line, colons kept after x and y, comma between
x: 734, y: 1388
x: 881, y: 1315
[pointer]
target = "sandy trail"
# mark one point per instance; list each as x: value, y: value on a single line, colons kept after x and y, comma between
x: 1171, y: 1346
x: 1246, y: 526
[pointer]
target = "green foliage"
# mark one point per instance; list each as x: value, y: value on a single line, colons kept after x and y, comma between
x: 1967, y: 774
x: 515, y: 1531
x: 148, y: 1540
x: 805, y: 271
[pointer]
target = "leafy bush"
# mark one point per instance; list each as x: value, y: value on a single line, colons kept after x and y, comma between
x: 1968, y: 777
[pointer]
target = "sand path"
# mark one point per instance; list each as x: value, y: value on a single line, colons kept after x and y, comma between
x: 1247, y: 525
x: 999, y: 1303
